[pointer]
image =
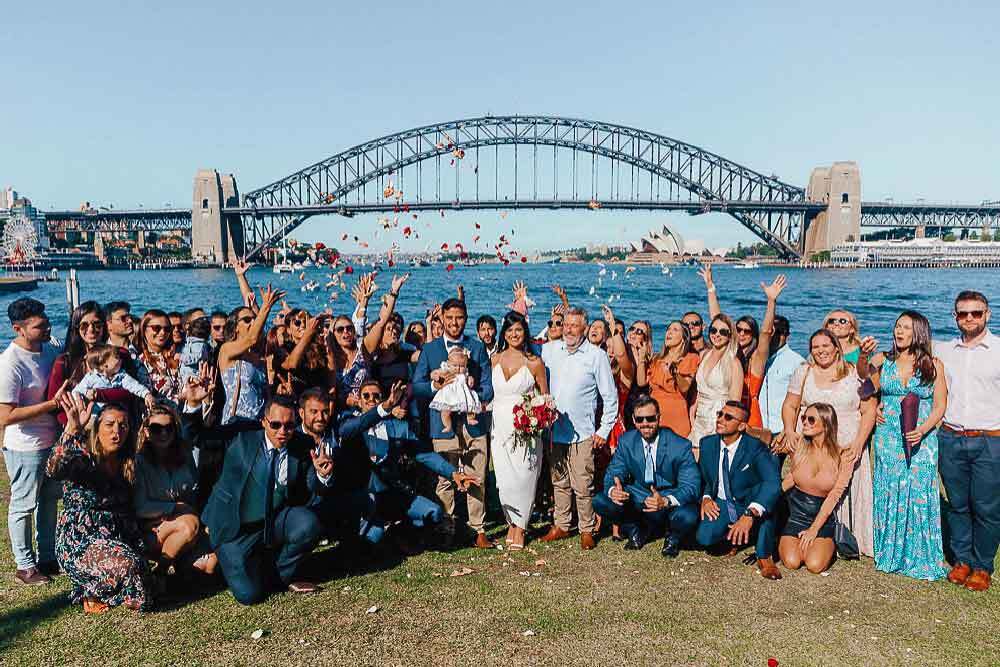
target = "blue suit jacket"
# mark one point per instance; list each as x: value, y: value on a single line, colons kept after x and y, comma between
x: 431, y: 357
x: 675, y: 471
x: 385, y: 455
x: 222, y: 512
x: 754, y: 476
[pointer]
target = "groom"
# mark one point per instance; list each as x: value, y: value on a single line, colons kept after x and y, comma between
x: 465, y: 445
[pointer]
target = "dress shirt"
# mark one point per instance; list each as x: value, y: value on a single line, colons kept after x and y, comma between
x: 777, y: 372
x: 576, y: 379
x: 379, y: 430
x: 649, y: 449
x: 721, y: 491
x: 973, y: 375
x: 281, y: 474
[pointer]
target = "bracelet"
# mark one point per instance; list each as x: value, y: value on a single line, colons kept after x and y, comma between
x: 711, y: 289
x: 395, y: 295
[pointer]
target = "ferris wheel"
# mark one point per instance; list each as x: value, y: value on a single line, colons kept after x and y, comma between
x: 19, y: 240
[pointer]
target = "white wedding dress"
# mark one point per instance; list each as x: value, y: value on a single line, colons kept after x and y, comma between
x: 517, y: 468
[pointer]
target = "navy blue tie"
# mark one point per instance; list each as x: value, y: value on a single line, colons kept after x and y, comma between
x: 731, y: 509
x: 272, y: 469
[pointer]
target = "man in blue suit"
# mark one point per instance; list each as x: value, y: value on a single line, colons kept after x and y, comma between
x: 740, y: 490
x: 257, y: 516
x: 465, y: 445
x: 652, y: 483
x: 387, y: 439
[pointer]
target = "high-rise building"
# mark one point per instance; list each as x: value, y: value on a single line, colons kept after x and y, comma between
x: 7, y: 198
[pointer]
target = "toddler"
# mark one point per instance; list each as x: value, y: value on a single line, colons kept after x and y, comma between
x: 196, y: 348
x: 456, y: 396
x: 105, y: 372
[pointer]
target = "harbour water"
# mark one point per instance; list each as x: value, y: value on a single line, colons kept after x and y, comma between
x: 876, y: 296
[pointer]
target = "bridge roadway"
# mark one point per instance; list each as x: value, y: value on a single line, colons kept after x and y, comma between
x: 873, y: 214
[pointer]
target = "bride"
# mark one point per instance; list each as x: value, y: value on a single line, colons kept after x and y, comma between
x: 516, y: 371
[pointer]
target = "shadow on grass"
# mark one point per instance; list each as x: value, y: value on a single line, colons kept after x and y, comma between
x: 23, y: 619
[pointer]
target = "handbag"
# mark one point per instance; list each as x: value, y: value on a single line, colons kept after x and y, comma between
x: 847, y: 544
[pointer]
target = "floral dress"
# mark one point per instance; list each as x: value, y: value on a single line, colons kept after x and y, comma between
x: 98, y: 543
x: 162, y: 376
x: 350, y: 379
x: 907, y: 498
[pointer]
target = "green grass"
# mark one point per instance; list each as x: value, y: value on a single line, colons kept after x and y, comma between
x: 605, y: 607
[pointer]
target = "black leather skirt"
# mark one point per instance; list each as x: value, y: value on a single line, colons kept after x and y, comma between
x: 802, y: 511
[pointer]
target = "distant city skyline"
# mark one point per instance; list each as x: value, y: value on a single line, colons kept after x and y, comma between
x: 898, y: 88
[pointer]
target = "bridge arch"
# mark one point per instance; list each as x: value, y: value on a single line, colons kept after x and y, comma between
x: 701, y: 174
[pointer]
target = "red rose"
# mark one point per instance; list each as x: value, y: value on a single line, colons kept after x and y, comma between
x: 771, y: 662
x: 348, y: 270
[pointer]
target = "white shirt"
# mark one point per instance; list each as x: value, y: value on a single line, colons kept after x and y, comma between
x: 379, y: 430
x: 721, y: 491
x: 973, y: 375
x: 576, y: 379
x: 281, y: 474
x: 24, y: 379
x: 777, y: 372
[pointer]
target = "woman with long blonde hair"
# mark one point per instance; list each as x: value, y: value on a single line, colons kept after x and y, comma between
x: 820, y: 473
x: 719, y: 378
x: 844, y: 325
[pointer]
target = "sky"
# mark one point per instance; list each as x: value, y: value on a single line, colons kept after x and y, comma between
x: 117, y: 103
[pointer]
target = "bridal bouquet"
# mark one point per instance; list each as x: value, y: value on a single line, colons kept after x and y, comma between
x: 532, y: 416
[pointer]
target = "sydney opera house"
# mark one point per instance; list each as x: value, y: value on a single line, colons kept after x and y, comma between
x: 662, y: 245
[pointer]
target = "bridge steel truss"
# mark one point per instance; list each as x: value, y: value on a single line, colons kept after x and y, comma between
x: 777, y: 213
x: 887, y: 214
x: 151, y: 220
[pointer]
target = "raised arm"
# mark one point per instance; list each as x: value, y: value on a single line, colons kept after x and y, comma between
x: 736, y: 381
x: 374, y: 337
x: 760, y: 355
x: 362, y: 292
x: 240, y: 268
x: 298, y: 353
x: 234, y: 348
x: 561, y: 293
x: 618, y: 349
x: 713, y: 298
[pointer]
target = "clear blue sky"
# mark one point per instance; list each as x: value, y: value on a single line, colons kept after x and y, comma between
x: 121, y: 104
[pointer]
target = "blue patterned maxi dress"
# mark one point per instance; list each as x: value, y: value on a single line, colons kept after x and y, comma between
x: 907, y: 501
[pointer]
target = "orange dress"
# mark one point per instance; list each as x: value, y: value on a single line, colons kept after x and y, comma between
x: 751, y: 397
x: 673, y: 404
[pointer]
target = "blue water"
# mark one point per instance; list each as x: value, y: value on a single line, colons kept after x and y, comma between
x: 875, y: 296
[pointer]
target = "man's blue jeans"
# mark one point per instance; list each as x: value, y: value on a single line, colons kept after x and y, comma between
x: 33, y: 497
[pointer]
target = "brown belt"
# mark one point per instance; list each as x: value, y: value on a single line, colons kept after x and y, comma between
x: 971, y: 434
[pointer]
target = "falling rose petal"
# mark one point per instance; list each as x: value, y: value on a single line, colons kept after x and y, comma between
x: 450, y: 267
x: 444, y: 246
x: 344, y: 237
x: 391, y: 263
x: 441, y: 211
x: 320, y: 246
x: 348, y: 270
x: 771, y: 662
x: 406, y: 208
x: 395, y: 208
x: 463, y: 255
x: 524, y: 260
x: 477, y: 225
x: 414, y: 216
x: 475, y: 239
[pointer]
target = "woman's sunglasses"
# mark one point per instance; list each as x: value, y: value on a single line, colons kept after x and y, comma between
x: 247, y: 319
x: 719, y: 332
x: 638, y: 331
x: 838, y: 320
x: 809, y: 419
x: 555, y: 323
x: 159, y: 429
x: 344, y: 328
x: 160, y: 328
x: 86, y: 326
x: 744, y: 330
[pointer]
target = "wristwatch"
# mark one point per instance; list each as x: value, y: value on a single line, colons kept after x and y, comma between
x: 749, y: 513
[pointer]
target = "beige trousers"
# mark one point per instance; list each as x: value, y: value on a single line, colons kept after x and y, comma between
x: 572, y: 469
x: 468, y: 454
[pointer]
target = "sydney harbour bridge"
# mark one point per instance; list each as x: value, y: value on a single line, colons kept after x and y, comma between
x: 531, y: 162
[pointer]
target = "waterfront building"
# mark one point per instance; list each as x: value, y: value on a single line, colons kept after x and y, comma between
x: 927, y: 252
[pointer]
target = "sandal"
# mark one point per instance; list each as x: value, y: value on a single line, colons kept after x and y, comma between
x: 514, y: 546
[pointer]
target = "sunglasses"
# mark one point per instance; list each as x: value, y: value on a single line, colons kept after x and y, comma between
x: 640, y: 419
x: 218, y: 327
x: 838, y: 320
x: 86, y: 326
x: 718, y: 331
x: 966, y: 314
x: 281, y: 426
x: 693, y: 325
x: 637, y: 331
x: 726, y: 416
x: 374, y: 396
x: 299, y: 322
x: 744, y: 330
x: 247, y: 319
x: 809, y: 419
x: 159, y: 429
x: 555, y: 323
x: 159, y: 328
x: 344, y: 328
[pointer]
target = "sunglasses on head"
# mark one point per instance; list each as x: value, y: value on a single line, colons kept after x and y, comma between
x: 85, y: 326
x: 281, y: 426
x: 159, y: 429
x: 809, y: 419
x: 966, y: 314
x: 726, y: 416
x: 838, y: 320
x: 157, y: 328
x: 372, y: 396
x: 645, y: 419
x: 719, y: 331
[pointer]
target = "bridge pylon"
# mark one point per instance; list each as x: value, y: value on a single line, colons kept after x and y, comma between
x: 839, y: 187
x: 215, y: 237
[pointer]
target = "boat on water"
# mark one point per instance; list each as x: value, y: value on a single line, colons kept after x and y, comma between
x: 283, y: 267
x: 746, y: 265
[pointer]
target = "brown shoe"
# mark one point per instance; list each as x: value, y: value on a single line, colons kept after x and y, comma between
x: 483, y: 542
x: 587, y: 541
x: 978, y: 581
x: 768, y: 569
x: 32, y: 577
x: 303, y: 587
x: 555, y: 533
x: 959, y: 574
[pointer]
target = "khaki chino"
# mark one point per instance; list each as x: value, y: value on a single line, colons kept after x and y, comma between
x: 468, y: 454
x: 572, y: 467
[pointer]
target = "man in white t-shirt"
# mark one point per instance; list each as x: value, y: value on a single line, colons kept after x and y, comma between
x: 29, y: 430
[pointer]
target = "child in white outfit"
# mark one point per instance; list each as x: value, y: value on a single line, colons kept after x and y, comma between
x: 456, y: 396
x: 105, y: 372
